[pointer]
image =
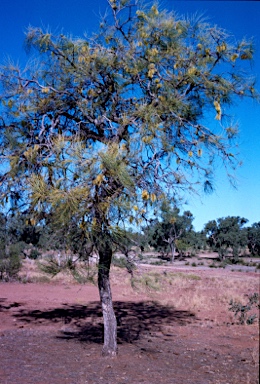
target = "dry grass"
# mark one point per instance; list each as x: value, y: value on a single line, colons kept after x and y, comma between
x: 198, y: 291
x: 193, y: 292
x: 32, y: 273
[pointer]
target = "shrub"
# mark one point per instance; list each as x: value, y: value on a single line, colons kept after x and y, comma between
x: 242, y: 311
x: 150, y: 281
x: 158, y: 262
x: 119, y: 262
x: 10, y: 261
x: 34, y: 254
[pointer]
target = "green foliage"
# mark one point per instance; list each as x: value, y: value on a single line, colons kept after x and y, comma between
x: 119, y: 262
x: 226, y: 234
x: 11, y: 249
x: 51, y: 266
x: 150, y: 281
x: 85, y: 274
x: 171, y: 232
x: 34, y: 254
x: 102, y: 128
x: 10, y: 261
x: 253, y: 234
x: 59, y: 262
x: 243, y: 312
x: 158, y: 281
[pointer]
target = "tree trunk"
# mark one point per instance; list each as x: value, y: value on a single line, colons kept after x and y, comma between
x: 110, y: 324
x: 172, y: 245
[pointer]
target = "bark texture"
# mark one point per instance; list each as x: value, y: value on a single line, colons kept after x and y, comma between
x: 110, y: 323
x: 172, y: 245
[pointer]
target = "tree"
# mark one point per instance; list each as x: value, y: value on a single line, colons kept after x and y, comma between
x: 166, y: 234
x: 191, y: 242
x: 101, y: 129
x: 226, y: 234
x: 10, y: 248
x: 253, y: 235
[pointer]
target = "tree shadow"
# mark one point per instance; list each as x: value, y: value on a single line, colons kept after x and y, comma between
x: 85, y: 323
x: 8, y: 306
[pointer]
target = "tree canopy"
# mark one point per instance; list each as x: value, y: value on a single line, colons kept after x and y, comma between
x: 226, y: 234
x: 169, y: 233
x: 103, y: 128
x: 254, y: 238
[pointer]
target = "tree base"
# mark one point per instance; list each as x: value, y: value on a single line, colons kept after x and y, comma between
x: 107, y: 352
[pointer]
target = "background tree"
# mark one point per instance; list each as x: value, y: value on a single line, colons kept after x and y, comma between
x: 191, y: 243
x: 227, y: 234
x: 11, y: 247
x: 164, y: 235
x: 253, y: 235
x: 100, y: 129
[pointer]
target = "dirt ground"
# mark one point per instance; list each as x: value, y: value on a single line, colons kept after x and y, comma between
x: 174, y: 327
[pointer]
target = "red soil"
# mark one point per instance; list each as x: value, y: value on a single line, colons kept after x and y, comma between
x: 52, y: 334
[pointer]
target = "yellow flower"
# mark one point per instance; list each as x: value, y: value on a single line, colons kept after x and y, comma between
x: 98, y: 180
x: 124, y: 147
x: 191, y: 71
x: 84, y: 49
x: 153, y: 197
x: 155, y: 10
x: 145, y: 195
x: 147, y: 139
x: 81, y: 59
x: 218, y: 110
x: 10, y: 103
x: 161, y: 98
x: 151, y: 72
x: 234, y: 57
x: 221, y: 48
x: 217, y: 106
x: 190, y: 153
x: 45, y: 90
x: 153, y: 51
x: 82, y: 225
x: 135, y: 207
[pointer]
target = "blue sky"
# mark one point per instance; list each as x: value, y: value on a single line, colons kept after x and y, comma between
x: 240, y: 18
